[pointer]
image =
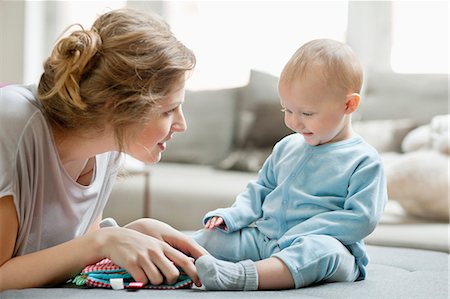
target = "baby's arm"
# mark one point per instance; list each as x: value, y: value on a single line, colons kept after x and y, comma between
x: 248, y: 205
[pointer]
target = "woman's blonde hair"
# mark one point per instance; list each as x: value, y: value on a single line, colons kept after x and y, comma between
x: 112, y: 74
x: 338, y: 64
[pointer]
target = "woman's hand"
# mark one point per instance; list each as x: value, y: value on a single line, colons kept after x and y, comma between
x: 216, y: 221
x: 176, y: 239
x: 146, y: 258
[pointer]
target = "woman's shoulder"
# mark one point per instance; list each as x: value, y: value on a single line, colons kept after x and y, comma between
x: 19, y: 114
x: 18, y: 103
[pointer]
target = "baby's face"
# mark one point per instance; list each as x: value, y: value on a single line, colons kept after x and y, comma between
x: 312, y: 109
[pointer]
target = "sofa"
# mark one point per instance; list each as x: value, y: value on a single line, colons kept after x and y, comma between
x: 230, y: 133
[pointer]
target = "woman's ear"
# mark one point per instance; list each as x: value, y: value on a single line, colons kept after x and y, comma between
x: 352, y: 102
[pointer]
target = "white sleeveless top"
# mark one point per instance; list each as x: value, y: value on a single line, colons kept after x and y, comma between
x: 51, y: 207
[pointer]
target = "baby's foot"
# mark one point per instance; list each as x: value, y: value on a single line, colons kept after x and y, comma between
x: 221, y: 275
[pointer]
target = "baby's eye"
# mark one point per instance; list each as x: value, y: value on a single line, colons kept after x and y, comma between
x: 307, y: 113
x: 284, y: 110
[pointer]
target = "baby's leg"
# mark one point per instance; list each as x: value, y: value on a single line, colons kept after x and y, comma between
x: 273, y: 274
x: 308, y: 260
x: 233, y: 247
x: 318, y: 258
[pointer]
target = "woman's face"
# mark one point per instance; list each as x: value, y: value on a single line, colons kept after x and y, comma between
x: 167, y: 118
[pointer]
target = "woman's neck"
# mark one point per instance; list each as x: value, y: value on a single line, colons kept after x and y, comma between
x: 77, y: 152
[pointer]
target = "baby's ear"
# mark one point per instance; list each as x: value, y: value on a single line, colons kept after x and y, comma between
x: 352, y: 102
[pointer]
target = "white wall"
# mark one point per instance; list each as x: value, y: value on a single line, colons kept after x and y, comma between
x: 11, y: 41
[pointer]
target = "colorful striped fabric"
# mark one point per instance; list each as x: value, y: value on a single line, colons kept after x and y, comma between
x: 99, y: 275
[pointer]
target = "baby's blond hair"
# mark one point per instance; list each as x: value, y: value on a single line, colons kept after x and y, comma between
x: 337, y: 62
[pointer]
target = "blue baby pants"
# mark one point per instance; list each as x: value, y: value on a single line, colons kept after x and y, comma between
x: 310, y: 259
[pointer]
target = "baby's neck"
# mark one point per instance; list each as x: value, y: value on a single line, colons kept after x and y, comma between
x: 345, y: 133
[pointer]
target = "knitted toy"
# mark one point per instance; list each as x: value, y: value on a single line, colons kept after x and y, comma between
x: 103, y: 274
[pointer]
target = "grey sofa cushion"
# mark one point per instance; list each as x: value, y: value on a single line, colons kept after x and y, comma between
x: 262, y: 88
x: 392, y: 273
x: 393, y: 133
x: 266, y: 129
x: 398, y: 229
x: 210, y: 117
x: 268, y: 126
x: 259, y: 124
x: 396, y: 96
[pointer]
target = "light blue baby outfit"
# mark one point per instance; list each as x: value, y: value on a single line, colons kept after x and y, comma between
x: 311, y: 207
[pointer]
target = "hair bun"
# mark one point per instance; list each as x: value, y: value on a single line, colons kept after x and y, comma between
x: 79, y: 43
x: 71, y: 60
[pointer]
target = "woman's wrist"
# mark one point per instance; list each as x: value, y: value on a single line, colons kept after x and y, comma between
x: 100, y: 241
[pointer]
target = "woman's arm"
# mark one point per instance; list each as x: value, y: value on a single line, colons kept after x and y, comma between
x: 46, y: 267
x: 145, y: 258
x: 96, y: 225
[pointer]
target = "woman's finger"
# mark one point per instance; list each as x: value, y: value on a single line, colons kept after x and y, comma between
x: 186, y: 245
x: 167, y: 268
x: 185, y: 263
x: 151, y: 271
x: 137, y: 273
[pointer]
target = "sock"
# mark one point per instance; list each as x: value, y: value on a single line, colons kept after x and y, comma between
x: 221, y: 275
x: 108, y: 222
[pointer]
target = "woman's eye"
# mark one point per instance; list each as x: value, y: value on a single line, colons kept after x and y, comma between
x: 170, y: 111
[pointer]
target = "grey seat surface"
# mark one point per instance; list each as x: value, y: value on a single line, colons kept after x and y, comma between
x: 392, y: 273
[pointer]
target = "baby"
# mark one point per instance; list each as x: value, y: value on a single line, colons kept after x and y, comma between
x: 317, y: 196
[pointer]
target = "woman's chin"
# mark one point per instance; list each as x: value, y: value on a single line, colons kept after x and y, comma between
x: 153, y: 159
x: 149, y: 158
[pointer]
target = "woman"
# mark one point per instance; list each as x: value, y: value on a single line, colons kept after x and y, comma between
x: 117, y: 87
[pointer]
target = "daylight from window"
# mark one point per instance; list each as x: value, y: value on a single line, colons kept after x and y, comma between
x: 420, y: 36
x: 230, y: 38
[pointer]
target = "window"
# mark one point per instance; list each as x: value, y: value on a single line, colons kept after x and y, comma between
x: 420, y: 37
x: 230, y: 38
x: 45, y: 21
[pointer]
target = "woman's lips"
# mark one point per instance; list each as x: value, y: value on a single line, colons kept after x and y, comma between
x: 162, y: 146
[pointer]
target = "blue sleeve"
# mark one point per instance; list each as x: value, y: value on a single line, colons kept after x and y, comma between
x: 247, y: 207
x: 367, y: 197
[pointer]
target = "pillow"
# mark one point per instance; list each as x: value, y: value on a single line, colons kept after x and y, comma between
x: 432, y: 136
x: 384, y: 135
x: 267, y: 127
x: 210, y: 118
x: 265, y: 131
x: 398, y: 96
x: 261, y: 88
x: 419, y: 181
x: 250, y: 159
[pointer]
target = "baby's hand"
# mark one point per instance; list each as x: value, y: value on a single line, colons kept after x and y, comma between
x: 216, y: 222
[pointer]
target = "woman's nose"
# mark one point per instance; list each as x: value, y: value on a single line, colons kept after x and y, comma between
x: 179, y: 124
